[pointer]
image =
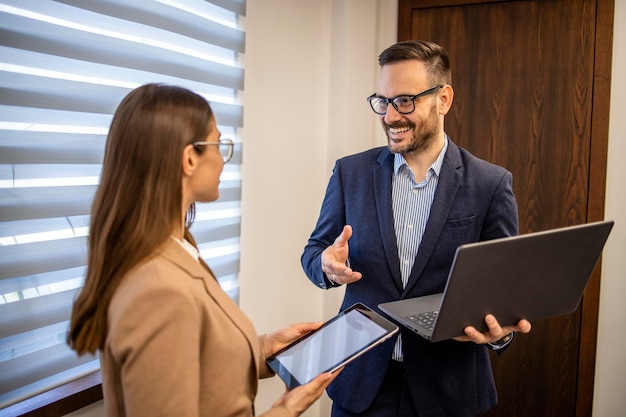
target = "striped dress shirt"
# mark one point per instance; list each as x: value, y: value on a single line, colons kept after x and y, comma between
x: 411, y: 207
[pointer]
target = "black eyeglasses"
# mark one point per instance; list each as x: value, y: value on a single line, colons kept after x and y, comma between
x: 225, y: 146
x: 402, y: 104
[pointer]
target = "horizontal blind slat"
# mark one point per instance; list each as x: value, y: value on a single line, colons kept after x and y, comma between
x: 23, y: 343
x: 33, y: 203
x: 29, y: 368
x: 230, y: 191
x: 135, y: 18
x: 67, y: 43
x: 46, y: 65
x: 33, y: 258
x: 27, y: 147
x: 166, y: 17
x: 216, y: 230
x: 73, y: 96
x: 55, y: 120
x: 225, y: 265
x: 24, y: 315
x: 25, y: 231
x: 47, y: 278
x: 235, y: 6
x: 51, y: 175
x: 228, y: 114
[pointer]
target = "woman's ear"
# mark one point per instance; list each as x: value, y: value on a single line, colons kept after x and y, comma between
x: 189, y: 160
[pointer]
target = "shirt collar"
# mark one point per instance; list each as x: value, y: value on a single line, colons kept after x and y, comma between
x: 399, y: 160
x: 189, y: 248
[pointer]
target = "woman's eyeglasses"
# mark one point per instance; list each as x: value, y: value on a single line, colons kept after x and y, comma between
x: 224, y: 145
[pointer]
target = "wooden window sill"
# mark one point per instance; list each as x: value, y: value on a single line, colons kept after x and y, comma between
x: 59, y: 401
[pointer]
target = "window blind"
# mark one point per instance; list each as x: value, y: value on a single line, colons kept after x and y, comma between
x: 64, y: 68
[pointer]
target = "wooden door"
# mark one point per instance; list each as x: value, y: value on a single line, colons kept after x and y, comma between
x: 531, y: 82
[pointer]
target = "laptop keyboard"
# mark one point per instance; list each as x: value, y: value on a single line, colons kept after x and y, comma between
x: 425, y: 320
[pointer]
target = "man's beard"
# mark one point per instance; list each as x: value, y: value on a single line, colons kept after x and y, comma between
x: 422, y: 139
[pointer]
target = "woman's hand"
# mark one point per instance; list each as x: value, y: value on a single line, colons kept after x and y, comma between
x: 277, y: 340
x: 299, y: 399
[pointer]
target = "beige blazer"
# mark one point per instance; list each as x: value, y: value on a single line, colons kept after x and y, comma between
x: 177, y: 345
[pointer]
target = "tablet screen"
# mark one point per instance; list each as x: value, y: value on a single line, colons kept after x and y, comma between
x: 341, y: 339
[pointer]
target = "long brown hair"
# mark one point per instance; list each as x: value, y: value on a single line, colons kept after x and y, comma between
x: 139, y: 199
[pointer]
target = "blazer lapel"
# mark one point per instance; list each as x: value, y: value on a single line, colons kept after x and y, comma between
x: 178, y: 256
x: 382, y: 176
x: 449, y: 181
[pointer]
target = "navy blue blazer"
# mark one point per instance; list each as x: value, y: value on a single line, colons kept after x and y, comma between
x: 474, y: 201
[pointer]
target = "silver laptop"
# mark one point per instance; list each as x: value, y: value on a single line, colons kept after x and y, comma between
x: 532, y: 276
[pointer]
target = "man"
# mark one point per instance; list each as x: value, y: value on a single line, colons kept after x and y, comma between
x: 390, y: 223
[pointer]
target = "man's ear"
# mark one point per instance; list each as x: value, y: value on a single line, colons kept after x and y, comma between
x: 446, y: 95
x: 189, y: 160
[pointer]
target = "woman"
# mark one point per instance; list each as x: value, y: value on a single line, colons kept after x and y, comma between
x: 171, y: 342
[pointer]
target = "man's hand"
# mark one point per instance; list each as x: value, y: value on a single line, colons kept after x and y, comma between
x: 335, y: 260
x: 494, y: 333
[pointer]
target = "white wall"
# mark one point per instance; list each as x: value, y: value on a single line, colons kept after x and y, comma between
x: 610, y: 380
x: 310, y: 66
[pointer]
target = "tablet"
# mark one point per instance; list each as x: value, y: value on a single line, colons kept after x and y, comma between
x: 343, y: 338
